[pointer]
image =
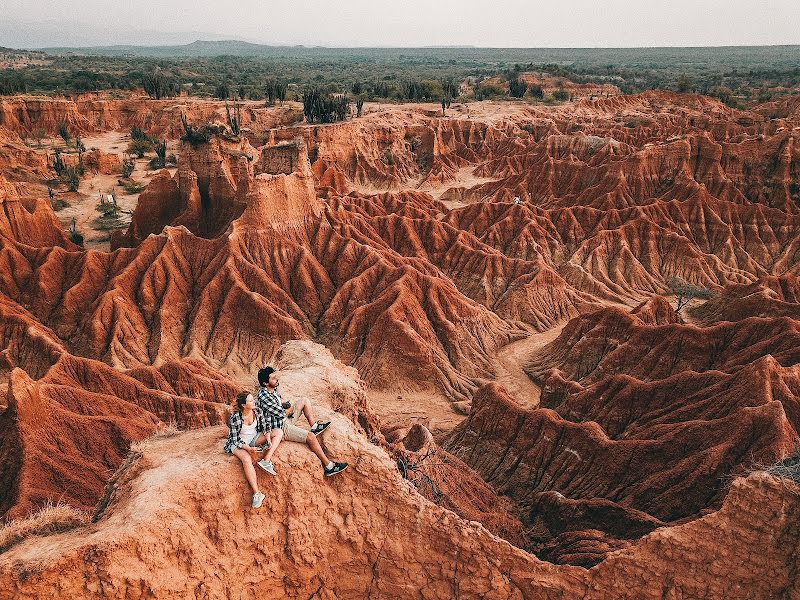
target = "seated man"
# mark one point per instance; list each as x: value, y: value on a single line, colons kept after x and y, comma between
x: 275, y: 410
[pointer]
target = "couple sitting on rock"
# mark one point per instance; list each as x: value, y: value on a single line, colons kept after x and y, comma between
x: 260, y: 424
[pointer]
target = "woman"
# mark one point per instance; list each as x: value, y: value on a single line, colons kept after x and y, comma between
x: 248, y: 433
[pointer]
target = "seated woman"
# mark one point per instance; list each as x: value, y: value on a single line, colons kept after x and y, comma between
x: 249, y: 432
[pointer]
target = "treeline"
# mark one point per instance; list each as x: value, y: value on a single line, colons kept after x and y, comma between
x: 415, y: 77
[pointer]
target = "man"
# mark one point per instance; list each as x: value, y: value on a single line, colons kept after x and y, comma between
x: 275, y: 409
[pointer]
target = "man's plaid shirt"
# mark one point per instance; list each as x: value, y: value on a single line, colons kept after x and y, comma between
x: 235, y: 423
x: 269, y: 402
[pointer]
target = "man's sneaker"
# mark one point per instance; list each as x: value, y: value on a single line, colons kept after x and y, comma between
x: 319, y: 427
x: 258, y: 498
x: 267, y: 466
x: 335, y: 469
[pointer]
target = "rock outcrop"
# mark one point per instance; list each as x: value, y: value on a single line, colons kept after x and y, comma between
x: 176, y: 522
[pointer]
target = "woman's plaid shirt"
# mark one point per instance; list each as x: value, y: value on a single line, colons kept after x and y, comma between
x: 235, y: 423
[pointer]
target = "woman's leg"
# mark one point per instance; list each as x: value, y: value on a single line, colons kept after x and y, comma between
x: 247, y: 464
x: 276, y: 435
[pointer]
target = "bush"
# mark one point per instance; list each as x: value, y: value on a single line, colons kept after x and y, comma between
x: 58, y: 162
x: 487, y: 90
x: 194, y: 135
x: 517, y: 88
x: 74, y: 235
x: 128, y: 165
x: 536, y: 91
x: 788, y: 468
x: 52, y: 518
x: 324, y: 108
x: 140, y: 147
x: 72, y: 176
x: 63, y: 131
x: 275, y: 90
x: 223, y: 91
x: 685, y: 291
x: 561, y: 95
x: 158, y: 84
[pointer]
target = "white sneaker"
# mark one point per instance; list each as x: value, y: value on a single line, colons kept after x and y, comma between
x: 267, y: 466
x: 258, y: 498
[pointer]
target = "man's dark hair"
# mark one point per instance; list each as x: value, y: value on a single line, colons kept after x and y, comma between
x: 263, y: 375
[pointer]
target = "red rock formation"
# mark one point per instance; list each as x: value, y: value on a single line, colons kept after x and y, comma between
x: 36, y: 226
x: 159, y: 117
x: 605, y: 467
x: 64, y: 434
x: 388, y: 539
x: 552, y: 213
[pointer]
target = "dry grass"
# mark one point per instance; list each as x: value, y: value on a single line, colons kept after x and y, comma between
x: 165, y: 430
x: 788, y: 468
x: 52, y: 518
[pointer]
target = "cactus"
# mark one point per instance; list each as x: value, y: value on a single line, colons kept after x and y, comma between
x: 58, y: 162
x: 235, y: 119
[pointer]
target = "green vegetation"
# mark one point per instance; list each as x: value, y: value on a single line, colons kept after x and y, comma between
x: 234, y: 120
x: 517, y: 87
x: 72, y: 177
x: 319, y: 107
x: 128, y: 165
x: 158, y: 84
x: 561, y: 95
x: 274, y: 74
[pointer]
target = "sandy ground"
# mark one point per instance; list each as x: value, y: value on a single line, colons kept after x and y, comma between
x: 82, y: 205
x: 512, y: 358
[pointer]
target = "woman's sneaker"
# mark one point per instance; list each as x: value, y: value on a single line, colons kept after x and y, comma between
x: 319, y: 427
x: 258, y: 498
x: 337, y: 467
x: 267, y: 466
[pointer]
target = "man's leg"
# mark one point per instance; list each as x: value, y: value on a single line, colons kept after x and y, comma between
x: 304, y: 406
x: 313, y: 443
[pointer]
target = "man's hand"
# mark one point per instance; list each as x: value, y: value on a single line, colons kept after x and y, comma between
x: 286, y: 405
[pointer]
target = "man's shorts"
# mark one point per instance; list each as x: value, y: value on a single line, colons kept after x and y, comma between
x: 292, y: 432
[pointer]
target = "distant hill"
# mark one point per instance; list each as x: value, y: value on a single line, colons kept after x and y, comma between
x: 730, y: 56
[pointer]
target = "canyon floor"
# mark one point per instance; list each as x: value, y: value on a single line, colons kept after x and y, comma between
x: 484, y: 304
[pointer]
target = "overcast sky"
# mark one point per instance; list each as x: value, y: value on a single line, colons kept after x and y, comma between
x: 505, y: 23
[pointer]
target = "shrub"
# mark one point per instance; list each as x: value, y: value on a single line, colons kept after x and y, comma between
x: 63, y: 131
x: 487, y: 90
x: 685, y: 291
x: 160, y: 160
x: 517, y: 88
x: 194, y: 135
x: 58, y: 162
x: 788, y: 468
x: 561, y: 95
x: 128, y: 165
x: 223, y: 91
x: 52, y: 518
x: 140, y: 147
x: 158, y: 84
x: 319, y: 107
x: 72, y: 176
x: 275, y: 90
x: 74, y: 235
x: 536, y: 91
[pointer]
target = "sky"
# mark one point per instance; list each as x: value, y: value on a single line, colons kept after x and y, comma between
x: 495, y: 23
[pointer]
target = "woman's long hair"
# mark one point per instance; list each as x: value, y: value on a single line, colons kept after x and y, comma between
x: 241, y: 400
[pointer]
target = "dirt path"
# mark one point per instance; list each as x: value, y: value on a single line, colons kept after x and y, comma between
x: 512, y: 358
